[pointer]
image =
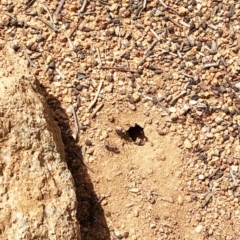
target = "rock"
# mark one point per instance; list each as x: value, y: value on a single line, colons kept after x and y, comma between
x: 201, y: 177
x: 172, y: 109
x: 218, y: 120
x: 88, y: 142
x: 125, y: 234
x: 135, y: 97
x: 237, y: 85
x: 187, y: 144
x: 193, y: 102
x: 134, y: 190
x: 234, y: 168
x: 109, y: 88
x: 38, y: 199
x: 152, y: 225
x: 132, y: 106
x: 180, y: 200
x: 118, y: 235
x: 199, y: 228
x: 182, y: 11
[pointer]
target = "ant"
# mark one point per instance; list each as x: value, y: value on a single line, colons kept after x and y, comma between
x: 123, y: 135
x: 112, y: 149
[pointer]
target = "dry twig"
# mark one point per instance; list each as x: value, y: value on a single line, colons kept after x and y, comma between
x: 59, y: 7
x: 167, y: 7
x: 74, y: 135
x: 121, y: 69
x: 96, y: 96
x: 48, y: 24
x: 60, y: 73
x: 96, y: 110
x: 49, y: 14
x: 173, y: 101
x: 29, y: 59
x: 29, y: 5
x: 83, y: 6
x: 99, y: 57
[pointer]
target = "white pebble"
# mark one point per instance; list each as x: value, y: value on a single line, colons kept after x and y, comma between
x: 193, y: 102
x: 237, y: 85
x: 172, y: 109
x: 199, y: 228
x: 218, y: 120
x: 201, y: 177
x: 152, y: 225
x: 234, y: 168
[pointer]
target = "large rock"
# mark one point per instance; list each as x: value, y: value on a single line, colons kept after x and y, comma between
x: 37, y: 195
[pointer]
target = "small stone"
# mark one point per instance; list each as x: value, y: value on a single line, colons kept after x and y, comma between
x: 172, y: 109
x: 125, y: 43
x: 136, y: 212
x: 234, y: 168
x: 180, y: 200
x: 201, y: 177
x: 118, y: 234
x: 134, y: 190
x: 107, y: 213
x: 64, y: 91
x: 174, y: 117
x: 113, y: 7
x: 199, y: 228
x: 237, y: 85
x: 86, y: 122
x: 218, y: 120
x: 104, y: 134
x: 108, y: 88
x: 152, y: 225
x: 132, y: 106
x: 129, y: 205
x: 57, y: 84
x: 67, y: 99
x: 134, y: 237
x: 104, y: 202
x: 193, y: 102
x: 187, y: 144
x: 175, y: 76
x: 182, y: 11
x: 126, y: 234
x: 88, y: 142
x: 135, y: 97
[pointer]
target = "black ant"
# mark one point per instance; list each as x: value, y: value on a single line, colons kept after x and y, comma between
x: 112, y: 149
x: 123, y: 135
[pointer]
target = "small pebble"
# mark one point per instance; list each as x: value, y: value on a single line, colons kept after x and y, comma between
x: 134, y: 190
x: 118, y: 235
x: 199, y: 228
x: 152, y: 225
x: 172, y: 109
x: 187, y: 144
x: 201, y: 177
x: 88, y: 142
x: 218, y: 120
x: 104, y: 202
x: 126, y: 234
x: 193, y: 102
x: 132, y: 106
x: 180, y: 200
x: 135, y: 97
x: 237, y: 85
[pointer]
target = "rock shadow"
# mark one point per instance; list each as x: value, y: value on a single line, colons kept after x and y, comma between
x: 89, y: 211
